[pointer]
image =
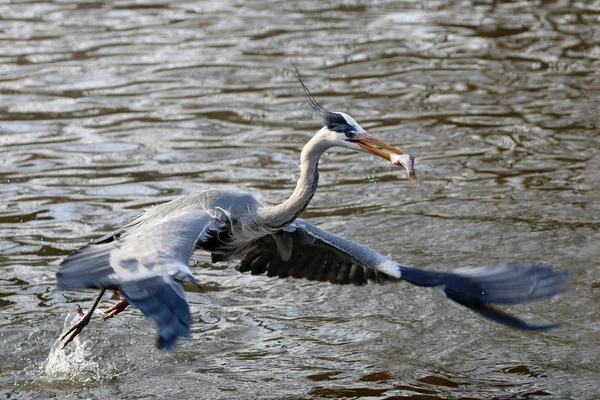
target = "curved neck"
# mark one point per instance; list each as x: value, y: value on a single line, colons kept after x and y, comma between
x: 285, y: 213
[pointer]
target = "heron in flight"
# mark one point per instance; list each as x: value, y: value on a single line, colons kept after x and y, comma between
x: 147, y: 260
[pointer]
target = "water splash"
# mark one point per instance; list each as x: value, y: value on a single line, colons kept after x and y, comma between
x: 73, y: 363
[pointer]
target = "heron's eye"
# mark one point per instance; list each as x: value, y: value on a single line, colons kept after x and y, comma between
x: 349, y: 134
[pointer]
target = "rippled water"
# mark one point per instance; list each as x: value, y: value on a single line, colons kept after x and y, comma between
x: 107, y: 108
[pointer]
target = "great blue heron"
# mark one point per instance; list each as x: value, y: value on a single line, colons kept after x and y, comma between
x: 147, y: 260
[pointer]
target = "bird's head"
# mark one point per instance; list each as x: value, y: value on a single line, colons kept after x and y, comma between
x: 342, y: 130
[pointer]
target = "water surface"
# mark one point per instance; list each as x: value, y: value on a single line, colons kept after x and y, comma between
x: 107, y: 108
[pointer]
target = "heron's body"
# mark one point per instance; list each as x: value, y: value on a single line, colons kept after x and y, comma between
x: 147, y: 260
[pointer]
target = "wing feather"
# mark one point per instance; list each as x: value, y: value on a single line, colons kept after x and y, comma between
x: 313, y: 254
x: 148, y: 259
x: 146, y: 262
x: 321, y: 256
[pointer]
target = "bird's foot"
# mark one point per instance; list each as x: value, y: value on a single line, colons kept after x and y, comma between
x: 85, y: 319
x: 79, y: 311
x: 116, y: 309
x: 77, y: 327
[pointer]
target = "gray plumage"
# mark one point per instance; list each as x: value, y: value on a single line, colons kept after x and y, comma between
x: 148, y: 259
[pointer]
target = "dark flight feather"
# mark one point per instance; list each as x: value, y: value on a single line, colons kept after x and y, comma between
x: 315, y: 258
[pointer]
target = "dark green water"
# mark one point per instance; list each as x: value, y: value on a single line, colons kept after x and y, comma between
x: 107, y: 108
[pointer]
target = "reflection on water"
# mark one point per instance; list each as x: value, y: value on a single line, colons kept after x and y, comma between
x: 107, y: 108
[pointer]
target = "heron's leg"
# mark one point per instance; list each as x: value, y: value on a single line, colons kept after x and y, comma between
x: 77, y: 327
x: 117, y: 308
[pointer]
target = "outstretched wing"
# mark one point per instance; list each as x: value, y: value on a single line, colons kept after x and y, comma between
x: 146, y: 262
x: 304, y: 251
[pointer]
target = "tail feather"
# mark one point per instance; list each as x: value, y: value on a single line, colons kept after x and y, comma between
x: 477, y: 288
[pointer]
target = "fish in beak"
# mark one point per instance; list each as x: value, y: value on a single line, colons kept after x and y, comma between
x: 381, y: 149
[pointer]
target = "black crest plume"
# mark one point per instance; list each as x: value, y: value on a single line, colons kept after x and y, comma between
x: 311, y: 99
x: 333, y: 121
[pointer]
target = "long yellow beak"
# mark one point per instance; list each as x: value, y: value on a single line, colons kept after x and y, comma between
x: 387, y: 152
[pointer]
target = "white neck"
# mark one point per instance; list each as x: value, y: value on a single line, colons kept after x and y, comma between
x: 285, y: 213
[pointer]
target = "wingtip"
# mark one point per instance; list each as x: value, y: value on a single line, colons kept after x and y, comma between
x: 502, y: 317
x: 168, y: 343
x: 529, y: 327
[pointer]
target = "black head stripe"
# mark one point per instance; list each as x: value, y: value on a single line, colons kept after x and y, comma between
x: 336, y: 122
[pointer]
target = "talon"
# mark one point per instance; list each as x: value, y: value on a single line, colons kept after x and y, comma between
x: 116, y: 309
x: 79, y: 311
